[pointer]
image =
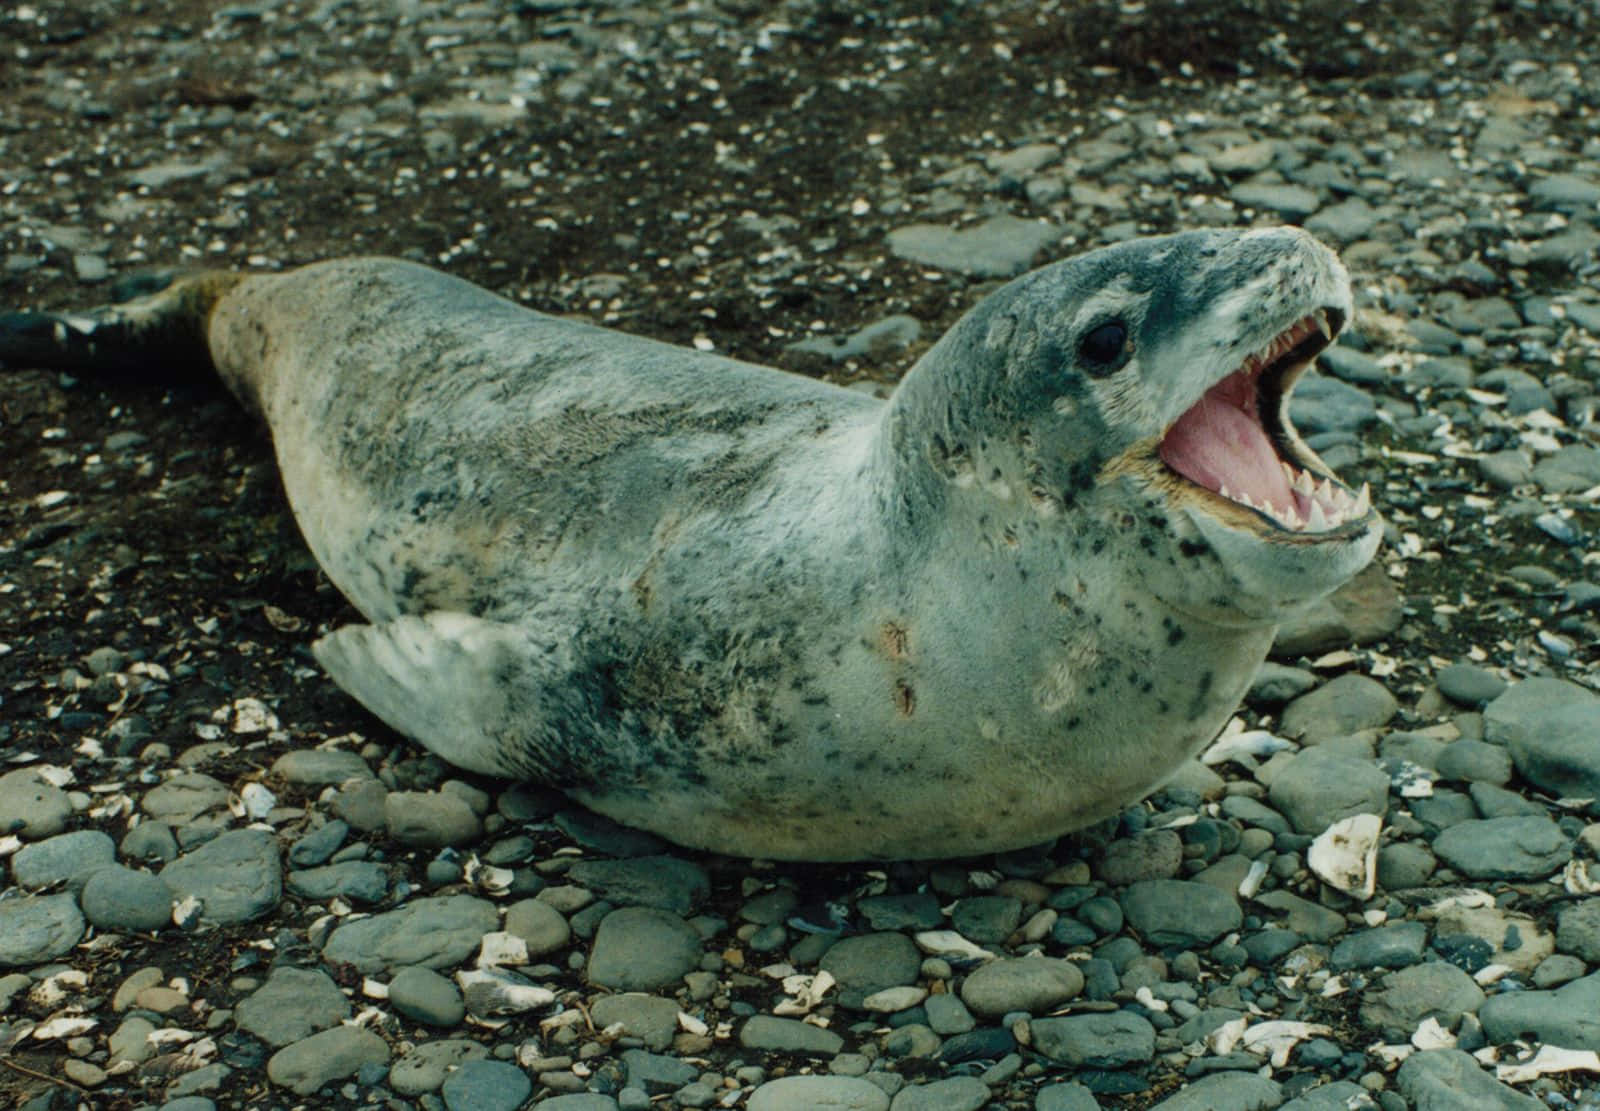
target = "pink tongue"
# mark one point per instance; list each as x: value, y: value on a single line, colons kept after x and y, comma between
x: 1216, y: 443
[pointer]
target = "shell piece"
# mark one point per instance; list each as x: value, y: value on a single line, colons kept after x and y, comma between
x: 1549, y: 1059
x: 491, y: 992
x: 1277, y: 1039
x: 1345, y: 855
x: 948, y: 943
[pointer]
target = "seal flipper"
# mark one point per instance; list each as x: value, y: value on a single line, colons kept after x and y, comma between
x: 467, y: 688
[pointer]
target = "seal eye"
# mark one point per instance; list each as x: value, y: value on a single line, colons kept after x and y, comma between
x: 1105, y: 348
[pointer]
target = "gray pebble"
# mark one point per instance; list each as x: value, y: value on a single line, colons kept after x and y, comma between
x: 1568, y: 1016
x: 958, y: 1093
x: 540, y: 925
x: 486, y: 1086
x: 787, y: 1035
x: 31, y: 806
x: 424, y: 1068
x: 1065, y: 1097
x: 1401, y: 1000
x: 948, y: 1015
x: 308, y: 1064
x: 38, y: 928
x: 1317, y: 787
x: 1110, y: 1040
x: 236, y: 877
x: 986, y: 919
x: 1504, y: 848
x: 184, y: 797
x: 360, y: 881
x: 650, y: 1018
x: 1345, y: 705
x: 641, y: 949
x: 320, y: 767
x: 1225, y: 1091
x: 436, y: 932
x: 1180, y: 912
x: 999, y: 247
x: 1393, y: 945
x: 869, y: 963
x: 1030, y: 984
x: 293, y: 1004
x: 1153, y: 855
x: 317, y: 846
x: 1470, y: 685
x: 69, y: 858
x: 664, y: 882
x: 816, y: 1093
x: 422, y: 994
x: 915, y: 911
x: 656, y: 1073
x: 1448, y: 1080
x: 430, y: 819
x: 1475, y: 762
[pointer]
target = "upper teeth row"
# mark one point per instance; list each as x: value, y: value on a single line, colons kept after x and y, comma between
x: 1331, y: 506
x: 1286, y: 341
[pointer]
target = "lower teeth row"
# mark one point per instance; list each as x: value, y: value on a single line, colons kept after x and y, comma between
x: 1331, y: 506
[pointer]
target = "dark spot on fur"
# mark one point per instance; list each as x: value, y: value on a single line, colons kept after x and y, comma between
x: 905, y: 699
x: 895, y: 640
x: 1192, y: 548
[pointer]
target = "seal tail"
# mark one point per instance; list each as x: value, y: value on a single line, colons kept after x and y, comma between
x: 163, y: 331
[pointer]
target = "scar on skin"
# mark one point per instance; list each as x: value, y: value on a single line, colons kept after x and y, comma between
x: 905, y: 699
x: 896, y: 640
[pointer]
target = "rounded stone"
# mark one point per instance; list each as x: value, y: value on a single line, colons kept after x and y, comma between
x: 119, y: 898
x: 869, y: 963
x: 1317, y: 787
x: 423, y: 995
x: 69, y: 858
x: 543, y: 928
x: 430, y: 819
x: 436, y: 932
x: 1527, y: 848
x: 1106, y: 1041
x: 650, y: 1018
x: 293, y: 1004
x: 1401, y: 1000
x: 38, y: 928
x: 788, y: 1035
x: 642, y: 949
x: 1470, y: 685
x: 320, y: 767
x: 1153, y: 855
x: 1180, y: 912
x: 31, y: 806
x: 424, y: 1069
x: 1031, y: 984
x: 818, y: 1093
x: 486, y: 1086
x: 958, y: 1093
x: 308, y: 1064
x: 1345, y: 705
x: 236, y: 876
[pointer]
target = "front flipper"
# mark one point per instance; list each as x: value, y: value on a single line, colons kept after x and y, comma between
x: 473, y: 691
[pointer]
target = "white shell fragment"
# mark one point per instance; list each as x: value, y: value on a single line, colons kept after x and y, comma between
x: 1277, y: 1039
x: 67, y: 1026
x: 805, y: 992
x: 1430, y: 1035
x: 251, y: 715
x: 890, y: 1000
x: 490, y: 992
x: 1345, y: 855
x: 255, y: 802
x: 948, y: 943
x: 1549, y: 1059
x: 501, y: 948
x: 1578, y: 879
x: 1236, y: 742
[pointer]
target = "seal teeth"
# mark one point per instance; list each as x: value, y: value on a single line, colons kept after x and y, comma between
x: 1363, y: 504
x: 1303, y: 485
x: 1323, y: 326
x: 1316, y: 519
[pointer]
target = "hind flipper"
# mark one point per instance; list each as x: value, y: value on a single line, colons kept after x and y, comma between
x: 470, y: 690
x: 160, y: 330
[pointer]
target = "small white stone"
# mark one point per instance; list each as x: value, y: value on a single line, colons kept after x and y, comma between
x: 1345, y: 855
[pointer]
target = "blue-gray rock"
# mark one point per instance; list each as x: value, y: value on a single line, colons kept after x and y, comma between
x: 1564, y: 193
x: 31, y: 806
x: 948, y: 1015
x: 1341, y: 1095
x: 958, y: 1093
x: 1291, y: 202
x: 1393, y: 945
x: 236, y: 876
x: 1322, y: 404
x: 1401, y: 1000
x: 916, y: 910
x: 424, y: 1068
x: 317, y: 846
x: 360, y: 881
x: 999, y: 247
x: 1475, y: 762
x: 1470, y: 685
x: 1311, y: 921
x: 1568, y: 1016
x: 1578, y: 929
x: 320, y: 767
x: 486, y: 1086
x: 539, y: 925
x: 1065, y: 1097
x: 642, y: 949
x: 878, y: 338
x: 188, y: 1103
x: 1343, y: 223
x: 430, y: 819
x: 789, y: 1035
x: 293, y: 1004
x: 184, y: 797
x: 1180, y: 912
x: 1031, y: 984
x: 663, y: 882
x: 1277, y: 683
x: 580, y: 1101
x: 435, y: 932
x: 1152, y: 855
x: 38, y: 928
x: 1317, y: 787
x: 425, y: 996
x: 308, y: 1064
x: 1106, y: 1041
x: 1404, y: 864
x: 655, y: 1073
x: 818, y: 1093
x: 1553, y: 745
x: 1504, y: 848
x: 650, y: 1018
x: 1450, y: 1080
x: 1344, y: 705
x: 1225, y: 1091
x: 69, y: 858
x: 869, y: 963
x: 986, y: 919
x: 119, y: 898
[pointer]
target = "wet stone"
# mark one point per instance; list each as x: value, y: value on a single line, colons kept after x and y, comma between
x: 486, y: 1086
x: 1153, y: 855
x: 360, y: 881
x: 1475, y: 762
x: 986, y: 919
x: 869, y: 963
x: 1569, y: 1016
x: 1031, y: 984
x: 293, y: 1004
x: 1345, y: 705
x: 656, y: 1073
x: 958, y: 1093
x: 424, y: 1068
x: 119, y: 898
x: 435, y: 932
x: 664, y: 882
x: 1504, y: 848
x: 1394, y: 945
x: 1470, y: 685
x: 1578, y: 929
x: 650, y: 1018
x: 642, y: 949
x: 787, y: 1035
x: 1065, y: 1097
x: 38, y: 928
x: 916, y: 911
x: 425, y: 996
x: 1317, y: 787
x: 319, y: 767
x: 317, y: 846
x: 1401, y: 1000
x: 818, y: 1093
x: 1180, y: 912
x: 541, y: 927
x: 236, y: 876
x: 1109, y: 1040
x: 1448, y: 1079
x: 67, y: 858
x: 430, y: 819
x: 31, y: 806
x: 184, y: 797
x: 308, y: 1064
x: 1225, y: 1091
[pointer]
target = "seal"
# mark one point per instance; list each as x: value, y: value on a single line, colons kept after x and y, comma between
x: 764, y: 615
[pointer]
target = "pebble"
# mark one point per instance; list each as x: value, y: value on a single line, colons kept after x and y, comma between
x: 787, y: 1035
x: 306, y: 1065
x: 642, y: 949
x: 1403, y: 999
x: 236, y: 876
x: 1153, y: 855
x: 1225, y: 1091
x: 1180, y: 912
x: 31, y: 806
x: 320, y: 767
x: 665, y: 882
x: 1031, y: 984
x: 1567, y: 1016
x: 293, y: 1004
x: 1448, y: 1080
x: 38, y: 928
x: 1317, y: 787
x: 869, y: 963
x: 1394, y: 945
x: 1504, y: 848
x: 1470, y: 685
x: 1065, y: 1097
x: 424, y: 1068
x: 958, y: 1093
x: 818, y: 1093
x: 1338, y: 708
x: 437, y: 932
x: 430, y: 819
x: 1107, y: 1041
x: 541, y: 927
x: 486, y: 1086
x: 650, y: 1018
x: 1000, y: 247
x: 67, y: 858
x: 422, y: 994
x: 360, y: 881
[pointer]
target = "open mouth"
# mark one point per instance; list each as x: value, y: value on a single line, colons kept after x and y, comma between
x: 1237, y: 443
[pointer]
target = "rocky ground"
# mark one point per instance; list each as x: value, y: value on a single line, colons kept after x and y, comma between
x: 228, y: 887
